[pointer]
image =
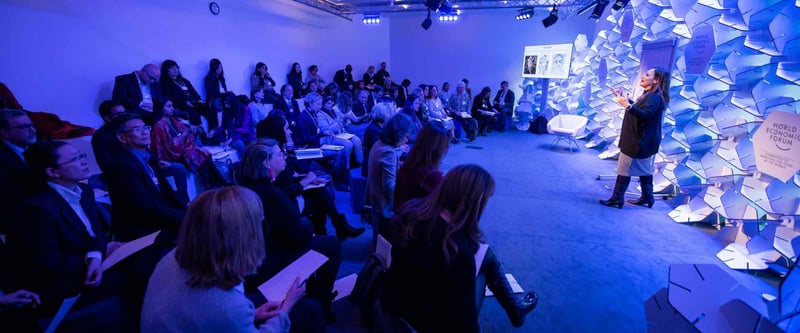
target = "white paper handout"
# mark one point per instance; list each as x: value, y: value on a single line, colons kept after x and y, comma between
x: 62, y: 312
x: 384, y: 251
x: 331, y: 147
x: 275, y: 288
x: 125, y: 250
x: 344, y: 286
x: 345, y: 136
x: 304, y: 154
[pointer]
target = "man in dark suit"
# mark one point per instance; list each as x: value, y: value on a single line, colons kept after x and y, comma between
x: 403, y: 96
x: 16, y: 134
x: 344, y: 78
x: 104, y: 140
x: 288, y: 105
x: 380, y: 77
x: 144, y: 201
x: 139, y: 92
x: 56, y: 241
x: 504, y: 104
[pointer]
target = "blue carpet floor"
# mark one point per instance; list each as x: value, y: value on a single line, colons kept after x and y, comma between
x: 593, y: 266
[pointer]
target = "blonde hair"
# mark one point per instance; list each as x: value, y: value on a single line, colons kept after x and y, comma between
x: 221, y: 240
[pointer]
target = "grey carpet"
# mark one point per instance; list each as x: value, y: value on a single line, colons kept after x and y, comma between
x: 593, y: 266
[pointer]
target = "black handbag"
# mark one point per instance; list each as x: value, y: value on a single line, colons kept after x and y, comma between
x: 368, y: 287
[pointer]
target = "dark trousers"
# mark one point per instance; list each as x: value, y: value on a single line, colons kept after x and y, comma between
x: 468, y: 125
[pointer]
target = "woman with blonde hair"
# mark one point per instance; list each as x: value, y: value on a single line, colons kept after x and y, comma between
x: 220, y: 242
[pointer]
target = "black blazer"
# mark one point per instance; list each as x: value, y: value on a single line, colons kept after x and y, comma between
x: 641, y: 127
x: 47, y: 245
x: 139, y: 206
x: 212, y: 83
x: 344, y: 80
x: 170, y: 90
x: 507, y: 103
x: 15, y: 183
x: 105, y: 145
x: 307, y: 133
x: 290, y: 113
x: 126, y: 91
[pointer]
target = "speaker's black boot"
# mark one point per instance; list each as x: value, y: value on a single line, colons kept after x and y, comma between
x: 517, y: 310
x: 343, y: 229
x: 647, y: 198
x: 618, y: 196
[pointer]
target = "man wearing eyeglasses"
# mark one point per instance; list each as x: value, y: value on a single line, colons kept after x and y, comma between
x: 143, y: 201
x: 139, y: 91
x: 16, y: 134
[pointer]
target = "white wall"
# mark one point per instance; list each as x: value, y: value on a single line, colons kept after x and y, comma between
x: 61, y: 56
x: 484, y: 46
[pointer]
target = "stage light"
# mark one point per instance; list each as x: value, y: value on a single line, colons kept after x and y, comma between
x: 552, y: 18
x: 433, y: 4
x: 426, y: 24
x: 599, y: 9
x: 371, y: 19
x: 619, y: 4
x: 524, y: 14
x: 448, y: 17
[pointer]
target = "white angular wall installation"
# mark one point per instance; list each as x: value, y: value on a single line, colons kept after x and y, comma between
x: 754, y: 70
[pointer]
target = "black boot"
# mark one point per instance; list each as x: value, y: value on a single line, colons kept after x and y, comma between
x: 517, y: 310
x: 318, y: 222
x: 647, y: 198
x: 343, y: 229
x: 618, y: 196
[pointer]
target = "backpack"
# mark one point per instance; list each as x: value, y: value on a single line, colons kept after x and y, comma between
x: 539, y: 125
x: 368, y: 287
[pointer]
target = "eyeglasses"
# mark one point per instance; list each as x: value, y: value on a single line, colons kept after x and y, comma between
x: 138, y: 129
x: 80, y: 157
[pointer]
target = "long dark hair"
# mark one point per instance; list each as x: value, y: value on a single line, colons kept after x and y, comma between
x: 165, y: 66
x: 429, y: 154
x: 272, y: 127
x: 662, y: 88
x: 462, y: 194
x: 213, y: 65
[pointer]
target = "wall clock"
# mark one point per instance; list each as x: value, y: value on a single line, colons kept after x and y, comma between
x: 214, y: 8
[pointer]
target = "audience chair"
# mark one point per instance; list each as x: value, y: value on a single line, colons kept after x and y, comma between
x: 567, y: 127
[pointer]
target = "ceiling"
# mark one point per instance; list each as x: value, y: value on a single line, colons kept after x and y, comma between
x: 347, y: 8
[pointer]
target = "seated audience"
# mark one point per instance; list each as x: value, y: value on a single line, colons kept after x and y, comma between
x: 198, y: 287
x: 184, y: 97
x: 56, y: 241
x: 368, y: 79
x: 309, y: 135
x: 312, y: 86
x: 16, y: 134
x: 381, y: 74
x: 104, y: 139
x: 437, y: 113
x: 384, y: 161
x: 419, y: 175
x: 287, y: 104
x: 139, y: 92
x: 482, y: 111
x: 295, y: 79
x: 214, y: 83
x: 445, y: 93
x: 144, y: 201
x: 319, y: 201
x: 460, y: 110
x: 411, y: 108
x: 237, y: 123
x: 380, y: 114
x: 172, y: 141
x: 289, y: 235
x: 258, y: 109
x: 329, y: 121
x: 344, y: 78
x: 313, y: 75
x: 332, y: 90
x: 431, y: 282
x: 261, y: 77
x: 504, y: 106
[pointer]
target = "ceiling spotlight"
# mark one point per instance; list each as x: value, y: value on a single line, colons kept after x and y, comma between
x: 371, y: 19
x: 426, y: 24
x: 552, y: 18
x: 619, y: 4
x: 448, y: 17
x: 524, y: 14
x: 599, y: 9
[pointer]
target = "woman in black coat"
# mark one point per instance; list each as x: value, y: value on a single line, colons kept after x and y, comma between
x: 181, y: 92
x: 640, y: 137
